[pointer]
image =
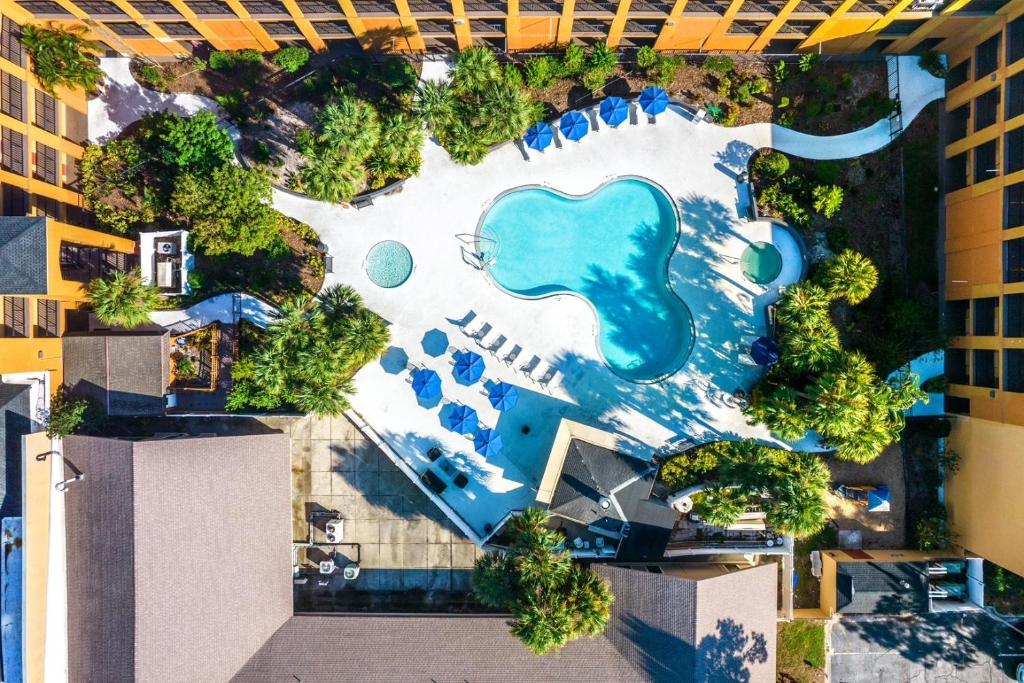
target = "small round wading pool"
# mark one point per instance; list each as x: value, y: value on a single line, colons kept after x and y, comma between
x: 388, y: 264
x: 761, y: 263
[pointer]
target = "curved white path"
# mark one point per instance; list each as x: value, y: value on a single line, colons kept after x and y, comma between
x: 435, y: 216
x: 215, y: 309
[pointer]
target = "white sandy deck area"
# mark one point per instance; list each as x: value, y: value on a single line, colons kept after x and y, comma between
x: 435, y: 216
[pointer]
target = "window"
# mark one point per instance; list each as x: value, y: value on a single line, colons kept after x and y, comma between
x: 256, y: 7
x: 986, y: 57
x: 175, y: 28
x: 956, y: 171
x: 324, y: 7
x: 210, y: 7
x: 151, y: 8
x: 46, y: 206
x: 902, y: 27
x: 1014, y: 96
x: 127, y: 28
x: 985, y: 372
x: 1013, y: 260
x: 958, y: 75
x: 99, y: 7
x: 493, y: 26
x: 333, y: 28
x: 45, y: 8
x: 12, y: 151
x: 1013, y: 375
x: 985, y: 163
x: 956, y: 366
x: 958, y: 119
x: 281, y: 28
x: 48, y: 318
x: 433, y: 27
x: 986, y: 109
x: 73, y: 181
x: 956, y: 316
x: 1014, y: 40
x: 10, y: 42
x: 14, y: 200
x: 1013, y: 215
x: 46, y: 111
x: 12, y: 96
x: 986, y: 316
x: 1013, y: 315
x: 744, y: 27
x: 15, y: 316
x: 46, y: 163
x: 1014, y: 154
x: 958, y: 405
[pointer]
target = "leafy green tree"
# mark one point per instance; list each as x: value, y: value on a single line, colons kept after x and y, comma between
x: 113, y: 185
x: 552, y: 600
x: 828, y: 199
x: 476, y: 68
x: 122, y: 299
x: 66, y: 415
x: 687, y: 468
x: 849, y: 275
x: 195, y: 144
x: 397, y: 154
x: 292, y: 58
x: 63, y: 57
x: 227, y: 211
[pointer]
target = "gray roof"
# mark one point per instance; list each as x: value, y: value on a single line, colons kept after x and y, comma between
x: 590, y: 473
x: 15, y: 422
x: 124, y: 373
x: 676, y: 629
x: 881, y: 587
x: 23, y: 255
x: 178, y: 555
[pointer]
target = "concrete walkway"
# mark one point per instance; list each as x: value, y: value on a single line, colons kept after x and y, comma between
x: 215, y: 309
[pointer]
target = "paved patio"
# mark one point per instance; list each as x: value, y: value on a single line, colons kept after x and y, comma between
x: 401, y: 540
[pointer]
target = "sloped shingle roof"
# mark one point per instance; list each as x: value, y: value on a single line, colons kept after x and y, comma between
x: 590, y: 473
x: 23, y: 255
x: 125, y: 374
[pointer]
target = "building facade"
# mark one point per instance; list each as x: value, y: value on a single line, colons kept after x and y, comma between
x: 174, y: 28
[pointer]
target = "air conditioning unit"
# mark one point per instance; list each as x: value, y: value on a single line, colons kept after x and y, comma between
x: 335, y: 530
x: 327, y: 566
x: 166, y: 248
x: 351, y: 571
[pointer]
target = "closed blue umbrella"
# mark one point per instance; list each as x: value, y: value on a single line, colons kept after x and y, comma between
x: 765, y: 351
x: 614, y: 110
x: 460, y: 419
x: 469, y: 367
x: 574, y: 126
x: 653, y: 100
x: 426, y: 383
x: 879, y: 499
x: 538, y: 136
x: 487, y: 442
x: 503, y: 396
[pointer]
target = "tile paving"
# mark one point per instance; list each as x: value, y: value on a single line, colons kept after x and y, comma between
x: 401, y: 540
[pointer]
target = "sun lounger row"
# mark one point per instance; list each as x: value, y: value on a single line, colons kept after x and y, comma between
x: 498, y: 346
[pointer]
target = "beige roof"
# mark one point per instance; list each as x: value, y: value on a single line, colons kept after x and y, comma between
x: 179, y: 555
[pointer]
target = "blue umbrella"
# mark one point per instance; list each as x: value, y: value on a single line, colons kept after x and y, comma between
x: 878, y: 499
x: 503, y: 396
x: 765, y: 351
x: 469, y: 367
x: 538, y: 136
x: 487, y: 442
x: 614, y: 110
x: 574, y: 126
x: 460, y: 419
x: 653, y: 100
x: 426, y: 383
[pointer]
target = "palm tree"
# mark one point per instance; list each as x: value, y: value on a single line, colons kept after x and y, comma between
x: 331, y: 180
x: 722, y: 505
x: 327, y: 397
x: 492, y: 580
x: 349, y: 127
x: 506, y: 111
x: 849, y: 275
x: 364, y: 337
x: 781, y: 411
x: 475, y: 69
x: 464, y: 143
x: 122, y: 299
x: 339, y: 301
x: 62, y: 56
x: 809, y: 348
x: 435, y: 104
x: 797, y: 508
x: 802, y: 303
x: 590, y: 599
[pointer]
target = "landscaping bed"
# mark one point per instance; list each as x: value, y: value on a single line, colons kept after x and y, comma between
x: 807, y: 594
x: 925, y: 465
x: 1004, y: 590
x: 194, y: 358
x: 801, y: 653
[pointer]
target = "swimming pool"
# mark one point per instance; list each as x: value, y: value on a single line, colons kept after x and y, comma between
x: 610, y: 247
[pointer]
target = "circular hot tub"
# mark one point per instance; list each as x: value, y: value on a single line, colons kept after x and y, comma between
x: 761, y: 263
x: 388, y: 264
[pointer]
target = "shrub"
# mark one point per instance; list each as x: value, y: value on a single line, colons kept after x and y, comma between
x: 771, y: 165
x: 512, y: 76
x: 122, y: 299
x: 63, y: 57
x: 743, y: 95
x: 196, y: 144
x: 646, y: 57
x: 777, y: 200
x: 724, y: 87
x: 688, y: 468
x: 601, y: 58
x: 721, y: 64
x: 233, y: 59
x: 933, y: 63
x: 66, y: 415
x: 594, y: 79
x: 666, y: 69
x: 931, y: 533
x: 185, y: 368
x: 573, y: 61
x: 292, y: 58
x: 730, y: 115
x: 153, y: 75
x: 828, y: 172
x: 541, y: 72
x: 808, y: 62
x: 781, y: 72
x: 759, y: 85
x: 828, y: 199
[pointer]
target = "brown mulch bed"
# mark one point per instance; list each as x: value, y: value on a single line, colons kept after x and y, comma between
x: 864, y: 78
x: 184, y: 77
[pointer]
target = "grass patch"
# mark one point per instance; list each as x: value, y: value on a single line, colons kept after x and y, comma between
x: 807, y: 594
x: 801, y: 651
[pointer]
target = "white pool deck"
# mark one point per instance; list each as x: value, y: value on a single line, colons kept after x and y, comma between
x: 436, y: 214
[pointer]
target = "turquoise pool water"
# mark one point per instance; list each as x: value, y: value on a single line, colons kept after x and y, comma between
x: 388, y: 264
x: 611, y: 247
